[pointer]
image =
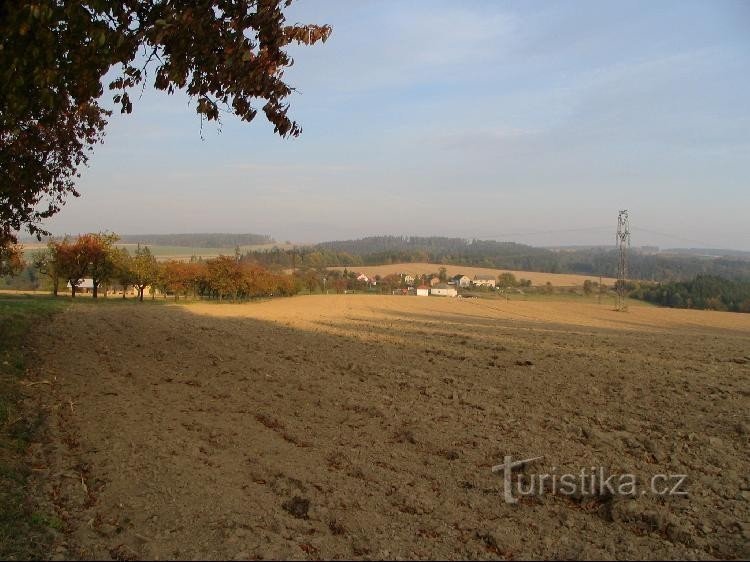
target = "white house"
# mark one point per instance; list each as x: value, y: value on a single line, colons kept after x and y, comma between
x: 461, y: 280
x: 84, y: 286
x: 423, y: 291
x: 443, y: 290
x: 485, y: 280
x: 363, y: 277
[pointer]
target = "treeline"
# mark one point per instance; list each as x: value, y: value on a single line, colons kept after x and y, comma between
x: 377, y: 250
x: 704, y: 292
x: 95, y: 256
x: 653, y: 267
x: 305, y: 257
x: 383, y: 250
x: 209, y: 240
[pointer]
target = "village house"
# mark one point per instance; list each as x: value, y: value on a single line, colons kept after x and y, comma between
x: 461, y: 280
x: 485, y: 280
x: 444, y: 290
x: 423, y: 291
x: 84, y: 286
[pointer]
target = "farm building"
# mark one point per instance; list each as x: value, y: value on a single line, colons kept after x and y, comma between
x: 423, y: 291
x: 485, y: 280
x: 461, y: 280
x: 444, y: 290
x: 85, y: 286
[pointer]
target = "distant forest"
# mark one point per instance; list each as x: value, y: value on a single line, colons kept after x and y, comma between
x: 378, y: 250
x: 210, y: 240
x: 705, y: 291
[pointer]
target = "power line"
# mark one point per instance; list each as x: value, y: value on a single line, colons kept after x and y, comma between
x: 553, y: 231
x: 672, y: 236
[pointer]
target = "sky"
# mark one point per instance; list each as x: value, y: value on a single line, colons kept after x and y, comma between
x: 526, y: 121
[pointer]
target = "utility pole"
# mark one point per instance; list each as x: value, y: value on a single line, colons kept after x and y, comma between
x: 623, y: 245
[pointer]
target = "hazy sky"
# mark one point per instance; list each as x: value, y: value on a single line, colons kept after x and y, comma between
x: 526, y: 121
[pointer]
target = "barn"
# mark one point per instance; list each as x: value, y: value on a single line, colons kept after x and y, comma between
x: 444, y: 290
x: 484, y: 280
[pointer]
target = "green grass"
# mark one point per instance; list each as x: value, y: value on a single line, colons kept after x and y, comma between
x: 24, y: 531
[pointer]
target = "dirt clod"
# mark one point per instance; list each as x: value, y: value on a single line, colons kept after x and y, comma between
x: 297, y: 506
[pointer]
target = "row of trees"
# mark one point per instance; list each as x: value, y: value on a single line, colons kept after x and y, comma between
x: 705, y: 292
x: 96, y: 256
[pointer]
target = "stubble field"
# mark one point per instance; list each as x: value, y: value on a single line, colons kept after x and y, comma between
x: 366, y: 426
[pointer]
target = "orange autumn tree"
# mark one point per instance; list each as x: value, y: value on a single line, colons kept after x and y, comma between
x: 11, y: 258
x: 224, y: 277
x: 58, y: 58
x: 177, y: 277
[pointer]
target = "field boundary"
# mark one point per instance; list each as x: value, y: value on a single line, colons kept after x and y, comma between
x: 25, y: 530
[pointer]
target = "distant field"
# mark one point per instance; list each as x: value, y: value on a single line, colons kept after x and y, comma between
x: 536, y: 278
x: 179, y: 253
x: 164, y: 253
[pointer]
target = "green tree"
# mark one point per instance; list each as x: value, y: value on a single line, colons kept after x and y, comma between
x: 506, y: 280
x: 144, y: 270
x: 588, y: 286
x: 54, y: 55
x: 123, y: 268
x: 73, y: 260
x: 47, y: 262
x: 101, y: 258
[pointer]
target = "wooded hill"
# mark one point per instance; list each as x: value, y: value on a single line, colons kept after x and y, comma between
x: 705, y: 291
x: 377, y: 250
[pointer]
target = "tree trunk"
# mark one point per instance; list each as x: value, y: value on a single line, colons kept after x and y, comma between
x: 55, y: 286
x: 140, y: 293
x: 96, y: 289
x: 72, y: 290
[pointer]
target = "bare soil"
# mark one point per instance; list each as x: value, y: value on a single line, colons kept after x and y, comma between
x: 361, y: 426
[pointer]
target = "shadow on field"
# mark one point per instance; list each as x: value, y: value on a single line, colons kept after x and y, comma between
x: 198, y: 436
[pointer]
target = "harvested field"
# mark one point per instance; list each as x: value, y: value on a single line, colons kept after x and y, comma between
x: 366, y: 427
x: 536, y: 278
